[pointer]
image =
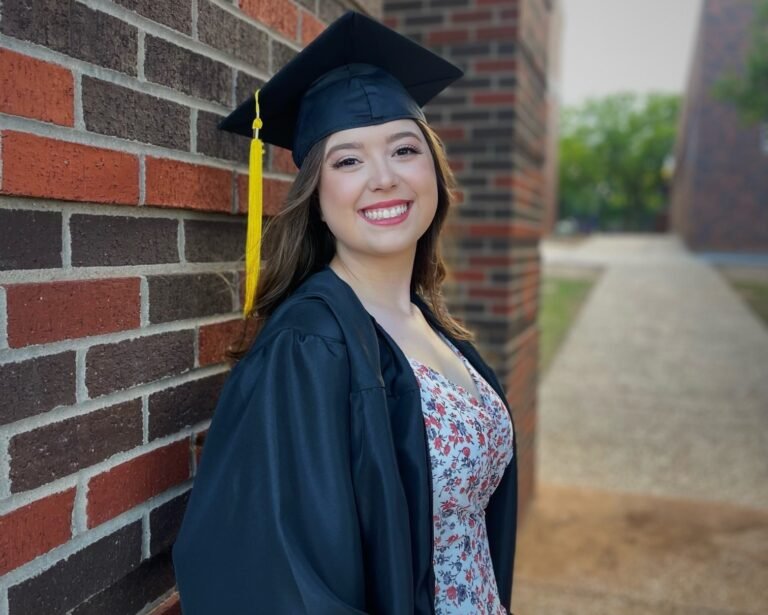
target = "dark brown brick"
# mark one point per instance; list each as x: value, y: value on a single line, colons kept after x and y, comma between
x: 213, y: 241
x: 52, y: 451
x: 182, y: 406
x: 217, y: 143
x: 36, y: 385
x: 397, y: 6
x: 176, y: 14
x: 71, y: 581
x: 111, y: 367
x: 175, y: 297
x: 222, y: 30
x: 117, y: 240
x: 165, y: 521
x: 187, y: 71
x: 245, y: 86
x: 113, y: 110
x: 281, y: 55
x: 130, y: 594
x: 30, y: 239
x: 74, y: 29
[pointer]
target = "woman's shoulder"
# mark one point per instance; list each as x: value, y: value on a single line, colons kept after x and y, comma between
x: 304, y: 315
x: 302, y: 330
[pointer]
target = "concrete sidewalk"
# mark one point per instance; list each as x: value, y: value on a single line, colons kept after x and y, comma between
x: 653, y: 443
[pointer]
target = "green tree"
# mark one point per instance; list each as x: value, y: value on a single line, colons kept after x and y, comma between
x: 612, y: 154
x: 748, y: 90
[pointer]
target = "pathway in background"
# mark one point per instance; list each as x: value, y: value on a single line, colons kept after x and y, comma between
x: 653, y: 472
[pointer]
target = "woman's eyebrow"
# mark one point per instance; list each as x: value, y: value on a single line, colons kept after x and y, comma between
x: 358, y: 145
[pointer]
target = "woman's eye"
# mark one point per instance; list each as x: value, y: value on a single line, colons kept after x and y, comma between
x: 343, y: 163
x: 408, y: 149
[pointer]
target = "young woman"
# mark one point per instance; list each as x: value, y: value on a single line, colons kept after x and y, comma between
x: 361, y: 457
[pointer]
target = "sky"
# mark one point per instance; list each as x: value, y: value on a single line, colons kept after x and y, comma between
x: 616, y: 45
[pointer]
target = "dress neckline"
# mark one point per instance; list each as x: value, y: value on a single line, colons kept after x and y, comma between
x: 464, y: 362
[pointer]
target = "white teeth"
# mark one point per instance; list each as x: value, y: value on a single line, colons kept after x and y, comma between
x: 390, y: 212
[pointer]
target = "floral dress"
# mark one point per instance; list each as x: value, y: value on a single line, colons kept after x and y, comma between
x: 470, y: 445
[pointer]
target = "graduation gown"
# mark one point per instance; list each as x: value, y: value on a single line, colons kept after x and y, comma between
x: 314, y: 490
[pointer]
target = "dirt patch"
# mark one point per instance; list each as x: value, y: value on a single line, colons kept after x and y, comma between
x: 602, y: 549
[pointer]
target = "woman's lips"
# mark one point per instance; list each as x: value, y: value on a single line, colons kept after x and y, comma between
x: 388, y: 221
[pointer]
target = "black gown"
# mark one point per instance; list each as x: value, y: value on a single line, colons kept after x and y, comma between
x: 314, y: 492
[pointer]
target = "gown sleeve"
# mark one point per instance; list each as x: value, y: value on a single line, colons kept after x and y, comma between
x: 271, y: 524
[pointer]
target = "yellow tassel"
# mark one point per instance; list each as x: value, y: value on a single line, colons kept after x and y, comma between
x: 253, y: 239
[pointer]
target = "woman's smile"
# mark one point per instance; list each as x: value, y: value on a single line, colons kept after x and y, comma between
x: 387, y: 215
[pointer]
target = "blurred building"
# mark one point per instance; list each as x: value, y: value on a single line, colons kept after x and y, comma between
x: 719, y: 198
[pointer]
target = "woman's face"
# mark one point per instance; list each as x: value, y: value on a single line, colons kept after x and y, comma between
x: 386, y: 170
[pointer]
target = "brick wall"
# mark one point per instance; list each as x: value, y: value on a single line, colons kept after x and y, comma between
x: 720, y: 187
x: 495, y: 124
x: 120, y: 240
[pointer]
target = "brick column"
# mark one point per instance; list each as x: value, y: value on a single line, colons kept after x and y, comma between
x: 494, y: 122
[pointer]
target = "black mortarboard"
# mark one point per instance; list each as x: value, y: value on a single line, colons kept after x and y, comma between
x: 357, y: 72
x: 326, y: 88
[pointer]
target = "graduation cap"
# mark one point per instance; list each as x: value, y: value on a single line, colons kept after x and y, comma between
x: 357, y: 72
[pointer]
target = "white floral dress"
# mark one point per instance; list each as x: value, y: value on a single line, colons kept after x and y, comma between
x: 470, y: 445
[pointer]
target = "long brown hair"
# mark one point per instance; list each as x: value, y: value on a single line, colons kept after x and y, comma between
x: 296, y: 242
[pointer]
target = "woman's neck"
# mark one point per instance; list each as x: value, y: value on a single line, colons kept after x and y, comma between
x: 381, y: 287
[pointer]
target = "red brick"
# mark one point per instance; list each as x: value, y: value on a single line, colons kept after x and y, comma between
x: 34, y: 529
x: 468, y: 275
x: 494, y: 66
x: 451, y: 133
x: 42, y: 167
x: 282, y: 161
x: 275, y: 191
x: 504, y: 309
x: 36, y: 89
x: 49, y: 312
x: 171, y: 183
x: 494, y: 98
x: 497, y: 33
x: 135, y: 481
x: 311, y: 27
x: 440, y: 37
x: 465, y: 16
x: 280, y: 15
x: 517, y: 181
x: 214, y: 340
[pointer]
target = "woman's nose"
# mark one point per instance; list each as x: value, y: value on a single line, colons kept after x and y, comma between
x: 383, y: 175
